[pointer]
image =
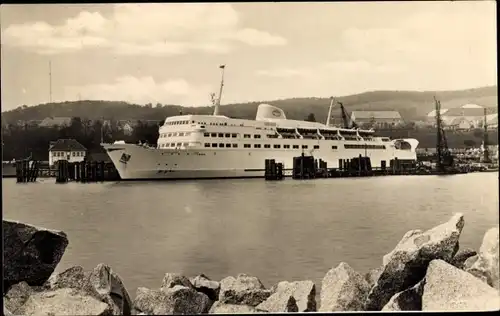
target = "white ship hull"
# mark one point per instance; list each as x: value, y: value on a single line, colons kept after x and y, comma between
x: 134, y: 162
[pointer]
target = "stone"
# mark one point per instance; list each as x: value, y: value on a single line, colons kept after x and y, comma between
x: 279, y: 302
x: 204, y: 285
x: 242, y: 290
x: 176, y: 300
x: 448, y: 288
x: 17, y: 295
x: 73, y: 277
x: 408, y: 300
x: 172, y: 279
x: 406, y: 265
x: 462, y: 256
x: 372, y: 276
x: 486, y: 266
x: 469, y: 262
x: 6, y: 312
x: 222, y: 308
x: 343, y: 289
x: 304, y: 293
x: 64, y: 301
x: 30, y: 253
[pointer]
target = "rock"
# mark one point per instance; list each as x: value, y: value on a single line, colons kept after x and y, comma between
x: 408, y: 300
x: 279, y: 302
x: 406, y: 265
x: 30, y: 254
x: 462, y: 256
x: 63, y: 302
x: 172, y: 279
x: 343, y: 289
x: 17, y: 296
x: 110, y: 289
x: 469, y: 262
x: 222, y: 308
x: 372, y: 276
x: 73, y: 277
x: 204, y: 285
x: 167, y: 301
x: 486, y: 266
x: 304, y: 293
x: 448, y: 288
x: 242, y: 290
x: 6, y: 312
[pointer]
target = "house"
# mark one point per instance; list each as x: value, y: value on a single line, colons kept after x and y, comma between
x: 66, y: 149
x: 459, y: 123
x: 55, y: 122
x: 377, y: 118
x: 473, y: 113
x: 492, y: 121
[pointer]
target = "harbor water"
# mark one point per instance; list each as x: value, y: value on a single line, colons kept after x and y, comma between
x: 286, y: 230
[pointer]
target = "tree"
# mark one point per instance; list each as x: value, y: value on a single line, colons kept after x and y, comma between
x: 311, y: 118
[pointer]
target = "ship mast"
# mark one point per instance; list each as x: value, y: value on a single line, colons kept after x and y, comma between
x: 50, y: 81
x: 329, y: 112
x: 217, y: 104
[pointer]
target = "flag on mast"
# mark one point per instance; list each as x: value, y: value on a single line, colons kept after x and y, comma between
x: 222, y: 66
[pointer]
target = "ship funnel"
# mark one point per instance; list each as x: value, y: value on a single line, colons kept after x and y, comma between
x: 266, y: 111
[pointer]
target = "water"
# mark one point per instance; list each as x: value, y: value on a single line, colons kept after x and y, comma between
x: 290, y: 230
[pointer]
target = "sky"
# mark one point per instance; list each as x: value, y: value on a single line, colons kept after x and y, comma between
x: 170, y: 53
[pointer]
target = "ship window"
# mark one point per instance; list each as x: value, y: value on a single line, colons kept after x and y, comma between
x: 172, y: 144
x: 206, y: 134
x: 225, y: 124
x: 256, y: 136
x: 221, y: 135
x: 276, y: 146
x: 185, y: 144
x: 316, y: 146
x: 304, y: 146
x: 227, y: 135
x: 228, y: 145
x: 256, y: 145
x: 73, y: 154
x: 246, y: 136
x: 221, y: 145
x: 235, y: 145
x: 214, y: 144
x: 213, y: 134
x: 169, y: 134
x: 247, y: 146
x: 179, y: 144
x: 286, y: 146
x: 267, y: 146
x: 295, y: 146
x: 234, y: 135
x: 192, y: 122
x: 187, y: 133
x: 334, y: 147
x: 181, y: 134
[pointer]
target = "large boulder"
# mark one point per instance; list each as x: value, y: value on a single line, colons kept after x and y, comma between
x: 448, y: 288
x: 63, y: 302
x: 242, y: 290
x: 17, y: 296
x: 222, y: 308
x: 30, y: 254
x: 172, y: 279
x: 304, y: 293
x: 343, y: 289
x: 372, y: 276
x: 406, y: 265
x: 204, y: 285
x: 279, y: 302
x: 408, y: 300
x: 486, y: 264
x: 167, y: 301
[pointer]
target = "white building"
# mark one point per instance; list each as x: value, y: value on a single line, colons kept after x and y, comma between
x: 66, y: 149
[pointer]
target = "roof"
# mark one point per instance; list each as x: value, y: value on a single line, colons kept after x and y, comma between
x: 471, y: 106
x: 433, y: 112
x: 67, y: 145
x: 55, y: 121
x: 376, y: 114
x: 469, y: 111
x: 492, y: 119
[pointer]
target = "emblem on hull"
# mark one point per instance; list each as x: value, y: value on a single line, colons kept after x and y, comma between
x: 124, y: 158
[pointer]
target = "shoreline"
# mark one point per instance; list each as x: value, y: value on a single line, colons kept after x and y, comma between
x: 422, y: 263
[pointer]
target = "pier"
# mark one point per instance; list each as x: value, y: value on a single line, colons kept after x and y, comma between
x: 85, y: 172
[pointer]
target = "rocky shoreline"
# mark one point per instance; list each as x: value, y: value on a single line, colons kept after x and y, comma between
x: 426, y: 271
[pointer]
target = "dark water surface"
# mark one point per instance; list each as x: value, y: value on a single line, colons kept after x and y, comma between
x: 290, y: 230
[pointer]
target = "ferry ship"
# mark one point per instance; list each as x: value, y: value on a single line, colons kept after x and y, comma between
x: 217, y: 146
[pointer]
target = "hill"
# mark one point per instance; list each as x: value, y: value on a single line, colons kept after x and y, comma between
x: 412, y: 105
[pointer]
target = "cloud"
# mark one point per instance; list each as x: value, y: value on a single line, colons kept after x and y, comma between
x: 144, y: 90
x: 143, y: 29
